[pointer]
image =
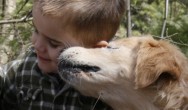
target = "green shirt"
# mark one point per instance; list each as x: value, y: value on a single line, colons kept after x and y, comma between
x: 24, y: 87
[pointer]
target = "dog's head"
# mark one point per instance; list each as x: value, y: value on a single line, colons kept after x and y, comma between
x: 127, y: 63
x: 92, y: 70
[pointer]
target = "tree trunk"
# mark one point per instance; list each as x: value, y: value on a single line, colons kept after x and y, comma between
x: 165, y: 18
x: 129, y: 18
x: 8, y: 8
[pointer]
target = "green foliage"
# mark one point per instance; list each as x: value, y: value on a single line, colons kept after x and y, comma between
x: 179, y: 25
x: 22, y: 38
x: 1, y: 39
x: 21, y: 31
x: 24, y: 30
x: 23, y: 7
x: 148, y: 16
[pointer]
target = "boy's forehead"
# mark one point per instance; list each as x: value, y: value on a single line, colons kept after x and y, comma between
x: 61, y: 31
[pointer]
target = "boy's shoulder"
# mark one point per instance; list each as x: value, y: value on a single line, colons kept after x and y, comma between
x: 25, y: 60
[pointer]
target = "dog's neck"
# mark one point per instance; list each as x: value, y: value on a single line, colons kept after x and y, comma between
x: 120, y: 102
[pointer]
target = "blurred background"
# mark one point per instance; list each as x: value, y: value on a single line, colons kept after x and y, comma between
x: 163, y: 19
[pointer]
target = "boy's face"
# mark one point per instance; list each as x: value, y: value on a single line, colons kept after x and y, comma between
x: 49, y: 38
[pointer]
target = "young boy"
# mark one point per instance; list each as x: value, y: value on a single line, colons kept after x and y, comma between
x: 33, y: 83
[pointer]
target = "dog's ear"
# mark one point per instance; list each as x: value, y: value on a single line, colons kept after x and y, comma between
x: 155, y: 62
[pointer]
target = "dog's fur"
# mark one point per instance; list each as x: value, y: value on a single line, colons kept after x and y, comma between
x: 137, y: 73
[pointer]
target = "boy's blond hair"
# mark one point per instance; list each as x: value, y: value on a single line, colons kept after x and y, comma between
x: 93, y: 20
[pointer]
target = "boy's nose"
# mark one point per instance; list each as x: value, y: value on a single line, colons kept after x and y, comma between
x: 39, y: 44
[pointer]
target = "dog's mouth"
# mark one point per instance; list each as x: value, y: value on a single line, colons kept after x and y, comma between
x: 70, y: 67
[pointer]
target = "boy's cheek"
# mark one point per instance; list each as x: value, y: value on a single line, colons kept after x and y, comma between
x: 54, y: 55
x: 33, y: 39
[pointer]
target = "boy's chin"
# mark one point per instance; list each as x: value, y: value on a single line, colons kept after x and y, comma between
x: 47, y: 69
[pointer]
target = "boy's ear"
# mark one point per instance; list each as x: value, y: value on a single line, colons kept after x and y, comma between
x: 155, y: 63
x: 101, y: 44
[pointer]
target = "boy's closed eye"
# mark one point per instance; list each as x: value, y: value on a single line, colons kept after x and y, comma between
x: 52, y: 43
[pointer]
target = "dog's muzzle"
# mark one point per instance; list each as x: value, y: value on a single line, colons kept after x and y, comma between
x: 66, y: 67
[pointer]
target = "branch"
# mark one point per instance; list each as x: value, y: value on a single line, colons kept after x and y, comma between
x: 26, y: 18
x: 26, y: 1
x: 168, y: 38
x: 177, y: 43
x: 14, y: 21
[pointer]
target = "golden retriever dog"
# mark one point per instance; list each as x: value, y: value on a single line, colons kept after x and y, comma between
x: 136, y: 73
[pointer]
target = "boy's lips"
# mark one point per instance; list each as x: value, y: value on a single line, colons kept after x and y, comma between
x: 43, y: 58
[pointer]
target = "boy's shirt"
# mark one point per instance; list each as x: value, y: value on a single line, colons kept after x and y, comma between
x: 24, y: 87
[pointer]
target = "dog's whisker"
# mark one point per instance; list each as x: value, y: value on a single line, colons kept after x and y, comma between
x: 82, y: 43
x: 97, y: 101
x: 80, y: 81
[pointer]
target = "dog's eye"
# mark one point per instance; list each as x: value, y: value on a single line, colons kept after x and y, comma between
x: 109, y: 47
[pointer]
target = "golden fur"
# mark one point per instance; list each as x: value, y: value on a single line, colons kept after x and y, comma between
x: 137, y: 73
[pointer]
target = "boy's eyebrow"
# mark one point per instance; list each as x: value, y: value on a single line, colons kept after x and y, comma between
x: 54, y: 40
x: 46, y: 35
